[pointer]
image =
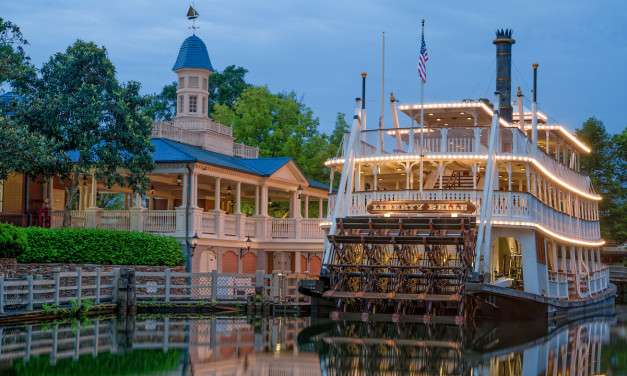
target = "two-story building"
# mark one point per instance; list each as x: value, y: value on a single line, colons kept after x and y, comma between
x: 206, y: 189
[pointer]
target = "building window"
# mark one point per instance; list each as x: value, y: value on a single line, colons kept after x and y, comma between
x: 180, y: 105
x: 205, y: 84
x: 204, y: 104
x: 193, y: 82
x: 181, y: 82
x: 193, y: 103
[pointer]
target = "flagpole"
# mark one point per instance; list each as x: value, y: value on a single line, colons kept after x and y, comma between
x: 422, y: 120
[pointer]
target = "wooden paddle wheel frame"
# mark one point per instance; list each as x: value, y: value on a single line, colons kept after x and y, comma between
x: 405, y: 267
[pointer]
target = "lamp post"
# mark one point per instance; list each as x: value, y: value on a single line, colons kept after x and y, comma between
x: 193, y: 243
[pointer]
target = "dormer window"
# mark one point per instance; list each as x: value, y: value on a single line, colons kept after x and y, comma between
x: 181, y: 82
x: 193, y: 82
x: 193, y: 104
x: 180, y: 105
x: 205, y: 85
x: 204, y: 104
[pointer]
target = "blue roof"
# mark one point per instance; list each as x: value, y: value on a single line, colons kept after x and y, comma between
x: 193, y: 54
x: 318, y: 184
x: 169, y: 151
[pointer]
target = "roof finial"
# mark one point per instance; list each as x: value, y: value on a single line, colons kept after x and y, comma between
x: 192, y: 15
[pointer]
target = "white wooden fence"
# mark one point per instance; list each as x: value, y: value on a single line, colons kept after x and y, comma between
x: 170, y: 286
x: 30, y: 293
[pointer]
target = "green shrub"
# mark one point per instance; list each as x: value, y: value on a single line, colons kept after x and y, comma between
x: 96, y: 246
x: 13, y: 241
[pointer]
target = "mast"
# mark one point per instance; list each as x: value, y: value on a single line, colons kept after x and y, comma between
x: 534, y: 108
x: 345, y: 188
x: 485, y: 214
x: 381, y: 116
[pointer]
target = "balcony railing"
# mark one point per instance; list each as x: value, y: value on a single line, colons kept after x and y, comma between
x: 520, y: 207
x: 205, y: 224
x: 463, y: 141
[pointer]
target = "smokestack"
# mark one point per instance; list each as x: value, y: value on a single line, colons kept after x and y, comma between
x: 363, y: 89
x: 521, y: 114
x: 534, y: 107
x: 503, y: 44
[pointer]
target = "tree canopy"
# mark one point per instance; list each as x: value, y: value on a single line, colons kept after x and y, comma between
x: 22, y: 150
x: 96, y: 124
x: 280, y: 125
x: 605, y: 165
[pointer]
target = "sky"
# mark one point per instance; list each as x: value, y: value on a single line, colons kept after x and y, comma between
x: 318, y: 48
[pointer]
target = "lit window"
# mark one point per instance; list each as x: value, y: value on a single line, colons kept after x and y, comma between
x: 193, y: 103
x: 181, y: 82
x: 193, y: 82
x: 180, y: 106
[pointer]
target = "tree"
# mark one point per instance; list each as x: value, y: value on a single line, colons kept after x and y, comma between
x: 97, y: 125
x: 162, y: 107
x: 224, y: 89
x: 22, y: 150
x: 605, y: 165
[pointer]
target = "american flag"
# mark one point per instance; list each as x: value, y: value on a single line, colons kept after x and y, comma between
x: 424, y: 56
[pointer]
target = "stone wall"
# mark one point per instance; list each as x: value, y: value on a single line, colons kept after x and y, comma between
x: 11, y: 269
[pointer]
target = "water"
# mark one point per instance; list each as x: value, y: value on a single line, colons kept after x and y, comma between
x: 301, y: 346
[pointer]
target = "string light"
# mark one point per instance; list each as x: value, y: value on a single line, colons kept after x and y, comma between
x: 566, y: 133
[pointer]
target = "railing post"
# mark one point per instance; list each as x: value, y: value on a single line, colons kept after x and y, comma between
x: 97, y: 285
x: 114, y: 285
x: 29, y: 280
x: 214, y: 286
x: 167, y: 284
x: 79, y: 285
x: 1, y: 297
x: 57, y: 285
x: 298, y: 230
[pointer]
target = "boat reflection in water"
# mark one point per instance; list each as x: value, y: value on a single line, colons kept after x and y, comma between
x: 412, y: 349
x: 298, y: 346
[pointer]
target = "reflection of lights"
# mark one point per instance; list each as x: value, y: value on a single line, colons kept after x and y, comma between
x: 454, y: 215
x: 277, y: 348
x: 387, y: 215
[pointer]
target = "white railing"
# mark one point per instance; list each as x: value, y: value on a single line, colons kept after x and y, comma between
x: 162, y: 221
x: 283, y: 228
x: 245, y: 151
x: 465, y: 140
x: 208, y: 223
x: 230, y: 225
x: 114, y: 220
x: 310, y: 229
x: 507, y: 206
x: 77, y: 218
x: 171, y: 286
x: 191, y: 124
x: 28, y: 294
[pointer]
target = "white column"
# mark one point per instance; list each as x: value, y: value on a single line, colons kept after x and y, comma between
x: 194, y: 190
x: 184, y: 184
x: 306, y: 213
x: 138, y: 200
x: 509, y: 176
x: 217, y: 194
x: 443, y: 139
x: 94, y: 191
x: 257, y: 200
x: 264, y: 201
x: 50, y: 193
x: 295, y: 205
x: 238, y: 197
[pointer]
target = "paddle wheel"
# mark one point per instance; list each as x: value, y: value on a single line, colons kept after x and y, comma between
x: 409, y: 267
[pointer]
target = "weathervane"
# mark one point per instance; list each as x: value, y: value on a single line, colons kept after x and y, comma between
x: 192, y: 15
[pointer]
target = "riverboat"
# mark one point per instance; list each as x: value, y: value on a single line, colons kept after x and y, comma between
x: 461, y: 210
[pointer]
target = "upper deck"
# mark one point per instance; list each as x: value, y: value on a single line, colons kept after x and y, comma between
x: 460, y: 131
